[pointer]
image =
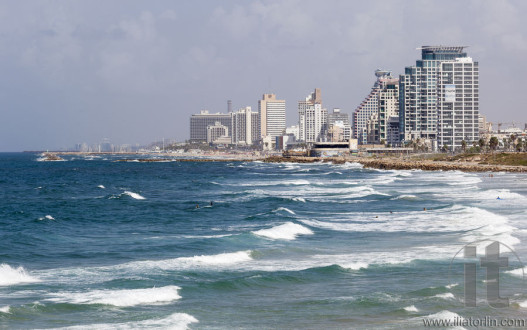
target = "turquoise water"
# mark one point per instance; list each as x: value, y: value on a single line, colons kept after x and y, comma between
x: 90, y: 242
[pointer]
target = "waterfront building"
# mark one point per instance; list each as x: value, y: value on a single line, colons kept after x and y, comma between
x: 342, y: 121
x: 272, y: 116
x: 388, y: 114
x: 312, y: 118
x: 294, y: 130
x: 369, y: 106
x: 245, y: 127
x: 418, y: 93
x: 458, y: 103
x: 372, y: 129
x: 200, y: 122
x: 216, y: 131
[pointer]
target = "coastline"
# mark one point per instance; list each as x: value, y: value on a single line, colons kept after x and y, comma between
x: 385, y: 163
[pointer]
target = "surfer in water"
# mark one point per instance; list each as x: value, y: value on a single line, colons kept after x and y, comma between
x: 498, y: 197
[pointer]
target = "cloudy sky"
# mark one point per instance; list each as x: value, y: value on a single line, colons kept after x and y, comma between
x: 134, y: 71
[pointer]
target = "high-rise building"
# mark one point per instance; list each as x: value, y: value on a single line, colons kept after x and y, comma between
x: 388, y: 116
x: 342, y: 120
x: 216, y: 131
x: 458, y: 103
x: 200, y: 122
x: 312, y: 118
x: 418, y: 93
x: 369, y: 106
x: 245, y: 126
x: 272, y: 116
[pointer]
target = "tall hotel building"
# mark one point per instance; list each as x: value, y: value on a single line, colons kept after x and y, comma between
x: 420, y: 94
x: 272, y: 116
x: 312, y: 118
x: 458, y: 103
x: 245, y: 127
x: 200, y: 122
x: 369, y: 107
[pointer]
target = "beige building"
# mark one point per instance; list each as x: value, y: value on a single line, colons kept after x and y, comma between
x: 272, y: 116
x: 216, y: 131
x: 313, y: 119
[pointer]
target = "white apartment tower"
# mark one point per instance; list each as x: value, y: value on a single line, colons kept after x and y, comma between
x: 245, y: 126
x: 312, y: 118
x: 272, y: 116
x: 418, y: 90
x: 458, y: 103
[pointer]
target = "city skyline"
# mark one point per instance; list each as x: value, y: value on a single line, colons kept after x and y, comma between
x: 75, y: 73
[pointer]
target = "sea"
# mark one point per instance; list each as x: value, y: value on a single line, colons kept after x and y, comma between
x: 108, y: 241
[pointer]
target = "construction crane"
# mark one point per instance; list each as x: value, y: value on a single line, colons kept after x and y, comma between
x: 509, y: 123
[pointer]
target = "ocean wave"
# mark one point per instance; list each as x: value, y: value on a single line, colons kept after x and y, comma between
x: 411, y: 309
x: 283, y: 209
x: 445, y: 315
x: 49, y: 217
x: 13, y: 276
x: 133, y: 195
x: 5, y: 309
x: 355, y: 265
x: 101, y: 186
x: 518, y: 272
x: 286, y: 231
x: 446, y: 296
x: 120, y: 298
x: 298, y: 199
x: 174, y: 321
x: 405, y: 197
x: 477, y: 223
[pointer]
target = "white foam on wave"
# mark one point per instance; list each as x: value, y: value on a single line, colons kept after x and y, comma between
x: 348, y: 165
x: 411, y: 309
x: 523, y: 304
x: 133, y: 195
x: 450, y: 286
x: 446, y: 296
x: 101, y: 186
x: 299, y: 199
x: 286, y: 231
x: 5, y: 309
x: 405, y: 197
x: 355, y: 265
x: 477, y: 223
x: 99, y: 274
x: 120, y: 298
x: 518, y: 272
x: 12, y: 276
x: 174, y: 321
x: 445, y: 315
x: 284, y: 209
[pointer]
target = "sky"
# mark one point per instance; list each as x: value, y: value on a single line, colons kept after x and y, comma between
x: 134, y: 71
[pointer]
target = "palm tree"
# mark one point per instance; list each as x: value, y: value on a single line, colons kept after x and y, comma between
x: 482, y: 143
x: 493, y: 143
x: 519, y: 145
x: 464, y: 145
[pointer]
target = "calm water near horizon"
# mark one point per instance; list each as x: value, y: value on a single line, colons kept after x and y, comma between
x: 93, y: 243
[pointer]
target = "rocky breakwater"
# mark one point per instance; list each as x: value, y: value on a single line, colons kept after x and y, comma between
x: 426, y: 165
x: 301, y: 159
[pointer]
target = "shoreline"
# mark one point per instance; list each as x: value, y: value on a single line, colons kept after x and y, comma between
x: 383, y: 163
